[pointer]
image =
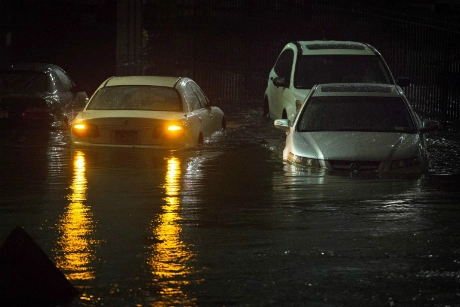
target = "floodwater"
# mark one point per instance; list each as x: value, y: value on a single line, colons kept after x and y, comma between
x: 230, y: 224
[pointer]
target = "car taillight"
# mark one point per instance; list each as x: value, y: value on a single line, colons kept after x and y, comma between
x: 168, y: 131
x: 85, y: 130
x: 174, y: 131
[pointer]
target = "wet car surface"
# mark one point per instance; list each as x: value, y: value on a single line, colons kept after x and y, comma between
x: 38, y: 95
x: 360, y: 127
x: 147, y: 111
x: 232, y: 225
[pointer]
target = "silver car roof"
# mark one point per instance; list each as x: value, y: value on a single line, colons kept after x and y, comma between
x: 357, y: 89
x: 335, y: 47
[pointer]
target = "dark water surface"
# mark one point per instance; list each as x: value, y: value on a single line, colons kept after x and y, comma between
x: 231, y: 224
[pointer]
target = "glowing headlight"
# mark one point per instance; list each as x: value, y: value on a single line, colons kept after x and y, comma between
x: 85, y: 130
x: 405, y: 162
x: 79, y: 127
x: 174, y: 128
x: 303, y: 160
x: 168, y: 131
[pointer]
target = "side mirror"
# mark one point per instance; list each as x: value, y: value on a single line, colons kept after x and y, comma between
x: 428, y: 126
x: 281, y: 82
x: 403, y: 81
x: 282, y: 124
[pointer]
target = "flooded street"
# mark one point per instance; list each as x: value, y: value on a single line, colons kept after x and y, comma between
x: 230, y: 224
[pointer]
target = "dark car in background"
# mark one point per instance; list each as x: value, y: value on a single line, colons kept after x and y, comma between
x: 38, y: 95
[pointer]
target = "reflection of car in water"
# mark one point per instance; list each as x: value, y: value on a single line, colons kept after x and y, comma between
x: 147, y: 111
x: 302, y: 64
x: 38, y: 94
x: 365, y: 128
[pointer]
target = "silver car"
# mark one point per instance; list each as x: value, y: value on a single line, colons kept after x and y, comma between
x: 357, y: 128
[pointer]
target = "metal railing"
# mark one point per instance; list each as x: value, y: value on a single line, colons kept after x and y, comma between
x: 228, y: 47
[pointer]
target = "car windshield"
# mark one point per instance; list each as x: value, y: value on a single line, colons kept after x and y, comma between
x: 136, y: 97
x: 350, y: 113
x: 319, y: 69
x: 22, y: 82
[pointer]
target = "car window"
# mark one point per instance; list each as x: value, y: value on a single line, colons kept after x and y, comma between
x: 283, y: 65
x: 379, y: 114
x: 65, y: 81
x: 201, y: 96
x: 319, y: 69
x: 192, y: 97
x: 16, y: 81
x: 135, y: 97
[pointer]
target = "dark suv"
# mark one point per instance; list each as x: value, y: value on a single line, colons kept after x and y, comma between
x: 38, y: 95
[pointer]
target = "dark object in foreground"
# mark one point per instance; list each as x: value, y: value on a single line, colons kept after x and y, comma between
x: 28, y: 277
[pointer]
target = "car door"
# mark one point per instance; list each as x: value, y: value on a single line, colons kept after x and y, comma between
x: 64, y: 88
x: 276, y: 93
x: 209, y: 120
x: 195, y: 119
x: 72, y: 101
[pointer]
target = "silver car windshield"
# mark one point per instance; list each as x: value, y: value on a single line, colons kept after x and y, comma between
x: 376, y: 114
x: 136, y: 97
x: 320, y: 69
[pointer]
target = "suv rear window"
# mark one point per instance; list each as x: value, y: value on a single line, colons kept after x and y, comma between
x: 320, y: 69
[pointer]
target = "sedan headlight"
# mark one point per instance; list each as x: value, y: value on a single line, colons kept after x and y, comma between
x: 405, y: 162
x: 85, y: 130
x: 310, y: 162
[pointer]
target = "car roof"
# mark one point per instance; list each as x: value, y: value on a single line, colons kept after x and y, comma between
x: 357, y: 89
x: 141, y: 80
x: 334, y: 47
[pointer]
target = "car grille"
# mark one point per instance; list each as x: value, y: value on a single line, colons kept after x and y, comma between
x: 343, y: 165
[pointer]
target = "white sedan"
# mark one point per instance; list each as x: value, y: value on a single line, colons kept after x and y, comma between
x: 147, y: 111
x: 357, y: 128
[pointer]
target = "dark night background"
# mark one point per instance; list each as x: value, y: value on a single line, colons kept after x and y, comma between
x: 201, y: 228
x: 228, y: 46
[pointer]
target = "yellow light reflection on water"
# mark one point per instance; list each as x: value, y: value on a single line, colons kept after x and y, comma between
x: 74, y: 252
x: 170, y: 262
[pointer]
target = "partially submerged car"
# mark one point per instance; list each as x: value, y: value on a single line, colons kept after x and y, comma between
x: 38, y: 95
x: 357, y: 128
x: 147, y: 111
x: 302, y: 64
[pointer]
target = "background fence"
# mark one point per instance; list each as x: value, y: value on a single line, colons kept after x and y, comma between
x: 228, y: 47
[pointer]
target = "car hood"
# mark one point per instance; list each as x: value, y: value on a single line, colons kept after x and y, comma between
x: 357, y: 146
